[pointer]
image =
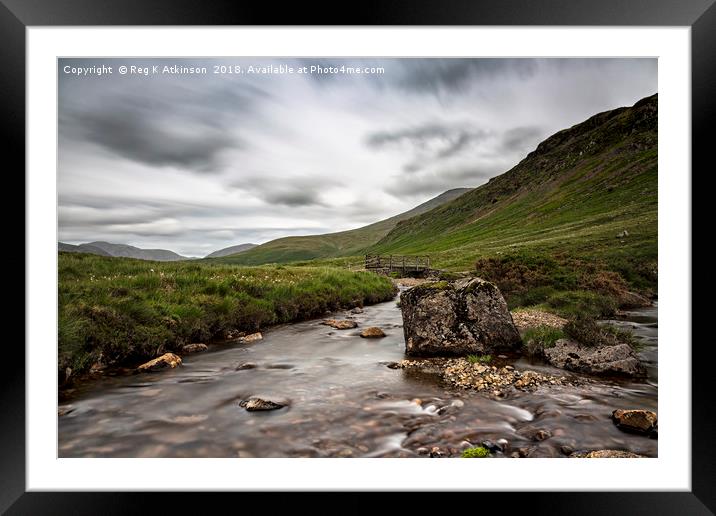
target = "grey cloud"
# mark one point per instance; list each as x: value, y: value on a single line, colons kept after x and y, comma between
x: 520, y: 139
x: 434, y: 183
x: 139, y: 134
x: 456, y: 75
x: 158, y: 120
x: 429, y: 142
x: 291, y: 197
x: 433, y: 76
x: 89, y: 218
x: 301, y: 191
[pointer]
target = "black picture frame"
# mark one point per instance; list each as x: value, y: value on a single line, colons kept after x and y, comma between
x: 17, y: 15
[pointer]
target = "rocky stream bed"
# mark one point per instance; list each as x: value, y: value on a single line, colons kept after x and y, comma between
x: 334, y: 393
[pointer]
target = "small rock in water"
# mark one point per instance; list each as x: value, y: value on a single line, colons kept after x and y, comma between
x: 251, y: 338
x: 63, y: 411
x: 502, y: 356
x: 97, y: 368
x: 503, y: 444
x: 169, y: 360
x: 535, y: 434
x: 194, y: 348
x: 339, y: 324
x: 541, y: 435
x: 246, y: 365
x: 258, y: 404
x: 372, y: 333
x: 422, y: 451
x: 566, y: 450
x: 234, y: 334
x: 437, y: 452
x: 491, y: 446
x: 635, y: 421
x: 357, y: 310
x: 393, y: 365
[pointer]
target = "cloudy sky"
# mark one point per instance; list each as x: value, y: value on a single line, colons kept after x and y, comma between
x: 198, y: 162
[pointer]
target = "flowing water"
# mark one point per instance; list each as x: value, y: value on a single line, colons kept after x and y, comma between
x: 343, y: 402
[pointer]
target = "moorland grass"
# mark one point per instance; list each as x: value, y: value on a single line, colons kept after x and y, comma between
x: 539, y: 338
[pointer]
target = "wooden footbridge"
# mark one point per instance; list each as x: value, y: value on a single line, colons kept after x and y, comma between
x: 405, y: 265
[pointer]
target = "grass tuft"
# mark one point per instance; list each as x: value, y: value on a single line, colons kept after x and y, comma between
x: 589, y: 333
x: 477, y: 452
x: 479, y: 359
x: 539, y: 338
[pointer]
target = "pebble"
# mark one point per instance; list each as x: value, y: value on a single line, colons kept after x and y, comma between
x: 251, y: 338
x: 343, y: 324
x: 566, y: 450
x: 491, y: 446
x: 437, y: 452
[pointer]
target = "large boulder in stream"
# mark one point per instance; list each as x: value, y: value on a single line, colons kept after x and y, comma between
x: 467, y: 316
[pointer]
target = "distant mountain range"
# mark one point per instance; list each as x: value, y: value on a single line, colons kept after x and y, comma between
x: 122, y: 250
x: 234, y: 249
x: 344, y: 243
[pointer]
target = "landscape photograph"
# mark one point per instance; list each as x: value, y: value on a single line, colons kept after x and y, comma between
x: 265, y: 257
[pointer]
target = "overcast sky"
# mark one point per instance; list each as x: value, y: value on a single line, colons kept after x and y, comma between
x: 195, y: 163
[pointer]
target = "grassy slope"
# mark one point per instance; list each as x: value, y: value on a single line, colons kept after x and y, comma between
x: 570, y: 197
x: 130, y: 310
x: 344, y: 243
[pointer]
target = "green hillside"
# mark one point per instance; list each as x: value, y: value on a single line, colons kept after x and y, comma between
x: 344, y: 243
x: 570, y: 197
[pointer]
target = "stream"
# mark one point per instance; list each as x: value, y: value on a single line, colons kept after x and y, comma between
x: 343, y: 402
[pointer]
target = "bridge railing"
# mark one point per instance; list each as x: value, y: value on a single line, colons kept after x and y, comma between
x: 397, y: 262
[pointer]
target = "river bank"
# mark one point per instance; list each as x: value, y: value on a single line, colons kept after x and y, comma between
x: 116, y: 312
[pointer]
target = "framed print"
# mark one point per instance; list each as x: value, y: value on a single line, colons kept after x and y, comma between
x: 268, y: 255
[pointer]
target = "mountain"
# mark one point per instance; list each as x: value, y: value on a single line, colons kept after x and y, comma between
x: 228, y: 251
x: 122, y: 250
x: 574, y: 194
x: 82, y: 248
x: 344, y: 243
